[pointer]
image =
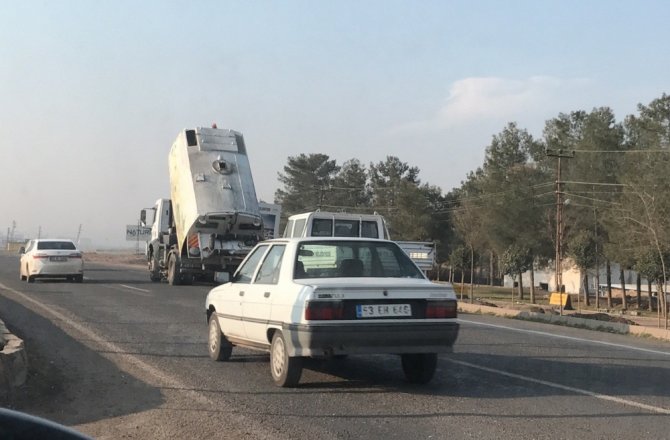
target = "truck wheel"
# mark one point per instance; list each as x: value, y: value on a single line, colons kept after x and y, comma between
x: 419, y: 367
x: 173, y: 271
x: 154, y: 270
x: 218, y: 346
x: 285, y: 370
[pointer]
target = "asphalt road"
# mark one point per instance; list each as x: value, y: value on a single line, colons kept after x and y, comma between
x: 121, y: 357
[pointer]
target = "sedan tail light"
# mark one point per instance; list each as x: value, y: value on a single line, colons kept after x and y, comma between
x: 441, y: 309
x: 75, y: 255
x: 324, y: 310
x: 40, y: 256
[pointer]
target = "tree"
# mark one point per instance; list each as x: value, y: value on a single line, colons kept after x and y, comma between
x: 513, y: 184
x: 458, y: 260
x: 515, y: 261
x: 582, y: 249
x: 350, y: 189
x: 307, y: 181
x: 408, y: 206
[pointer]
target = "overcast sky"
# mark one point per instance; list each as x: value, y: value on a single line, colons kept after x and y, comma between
x: 92, y: 93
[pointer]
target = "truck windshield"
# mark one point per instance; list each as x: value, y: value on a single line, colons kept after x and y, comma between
x: 346, y: 259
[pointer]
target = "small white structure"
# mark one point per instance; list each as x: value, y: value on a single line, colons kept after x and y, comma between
x: 572, y: 278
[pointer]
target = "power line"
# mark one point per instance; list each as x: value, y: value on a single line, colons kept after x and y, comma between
x: 622, y: 151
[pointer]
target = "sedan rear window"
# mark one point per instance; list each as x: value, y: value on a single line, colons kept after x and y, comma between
x: 347, y: 259
x: 56, y: 245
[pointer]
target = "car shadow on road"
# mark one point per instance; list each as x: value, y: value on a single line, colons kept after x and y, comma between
x: 483, y: 376
x: 67, y: 381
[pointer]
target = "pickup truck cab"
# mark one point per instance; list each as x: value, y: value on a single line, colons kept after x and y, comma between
x: 344, y: 224
x: 331, y: 296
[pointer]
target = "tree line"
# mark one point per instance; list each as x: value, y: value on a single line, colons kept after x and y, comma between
x: 614, y: 188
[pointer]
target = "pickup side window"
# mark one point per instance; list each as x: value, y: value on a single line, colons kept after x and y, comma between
x: 322, y: 227
x: 299, y: 227
x: 269, y: 271
x: 245, y: 273
x: 288, y: 232
x: 369, y: 229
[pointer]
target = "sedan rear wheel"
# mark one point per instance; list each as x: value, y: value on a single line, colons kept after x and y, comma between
x: 31, y: 278
x: 218, y: 346
x: 419, y: 367
x: 285, y: 370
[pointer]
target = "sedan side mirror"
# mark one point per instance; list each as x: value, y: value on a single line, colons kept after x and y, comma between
x: 22, y: 250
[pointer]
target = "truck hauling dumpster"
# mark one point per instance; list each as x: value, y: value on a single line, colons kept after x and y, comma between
x: 212, y: 219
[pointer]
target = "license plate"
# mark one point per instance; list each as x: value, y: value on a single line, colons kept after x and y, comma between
x: 58, y: 258
x: 382, y: 310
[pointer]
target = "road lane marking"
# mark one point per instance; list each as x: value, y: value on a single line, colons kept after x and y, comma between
x: 154, y: 374
x: 134, y: 288
x: 569, y: 338
x: 134, y: 291
x: 607, y: 397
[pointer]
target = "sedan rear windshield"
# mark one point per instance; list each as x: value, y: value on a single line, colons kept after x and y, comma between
x: 57, y: 245
x: 345, y: 259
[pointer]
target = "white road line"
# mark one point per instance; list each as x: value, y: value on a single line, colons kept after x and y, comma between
x: 135, y: 288
x: 570, y: 338
x: 117, y: 352
x: 118, y: 287
x: 655, y: 409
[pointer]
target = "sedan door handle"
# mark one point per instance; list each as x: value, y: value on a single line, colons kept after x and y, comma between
x: 266, y: 294
x: 241, y: 292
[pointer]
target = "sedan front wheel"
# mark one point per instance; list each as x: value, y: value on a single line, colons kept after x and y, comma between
x: 218, y: 346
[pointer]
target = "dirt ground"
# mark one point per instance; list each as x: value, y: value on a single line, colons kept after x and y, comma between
x: 115, y: 258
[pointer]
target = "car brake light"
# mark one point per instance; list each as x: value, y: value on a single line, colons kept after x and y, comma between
x: 39, y: 256
x: 75, y: 255
x: 441, y: 309
x: 324, y: 310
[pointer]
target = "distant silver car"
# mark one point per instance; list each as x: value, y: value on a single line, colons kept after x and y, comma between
x: 51, y: 258
x: 331, y: 297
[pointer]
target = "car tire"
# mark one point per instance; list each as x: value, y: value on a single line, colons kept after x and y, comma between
x: 285, y: 370
x: 174, y: 279
x: 154, y: 270
x: 419, y: 368
x: 31, y: 278
x: 218, y: 346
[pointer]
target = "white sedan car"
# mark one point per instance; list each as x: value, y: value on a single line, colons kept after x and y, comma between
x: 51, y: 258
x: 324, y: 297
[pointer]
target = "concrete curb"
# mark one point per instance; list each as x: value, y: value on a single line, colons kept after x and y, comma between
x: 13, y: 362
x: 591, y: 324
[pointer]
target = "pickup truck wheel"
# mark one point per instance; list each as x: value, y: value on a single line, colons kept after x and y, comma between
x: 419, y: 367
x: 174, y: 278
x: 218, y: 346
x: 154, y: 270
x: 285, y: 370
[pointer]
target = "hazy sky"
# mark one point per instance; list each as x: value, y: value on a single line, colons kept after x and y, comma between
x: 92, y: 93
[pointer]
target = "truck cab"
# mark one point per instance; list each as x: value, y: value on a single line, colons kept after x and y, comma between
x: 343, y: 224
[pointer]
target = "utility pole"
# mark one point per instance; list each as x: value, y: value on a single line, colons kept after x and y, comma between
x: 559, y: 154
x: 78, y: 234
x: 39, y: 232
